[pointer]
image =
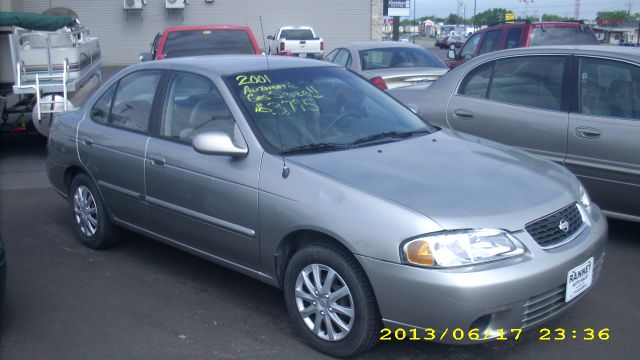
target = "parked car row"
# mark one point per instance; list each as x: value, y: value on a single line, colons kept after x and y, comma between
x: 302, y: 174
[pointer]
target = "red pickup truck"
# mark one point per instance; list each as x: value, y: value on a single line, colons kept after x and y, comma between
x: 182, y: 41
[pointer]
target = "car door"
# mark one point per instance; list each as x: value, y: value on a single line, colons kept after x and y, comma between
x: 518, y: 101
x: 207, y: 202
x: 112, y: 141
x: 604, y: 133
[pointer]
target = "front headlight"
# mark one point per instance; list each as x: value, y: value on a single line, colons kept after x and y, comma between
x: 585, y: 201
x: 460, y: 248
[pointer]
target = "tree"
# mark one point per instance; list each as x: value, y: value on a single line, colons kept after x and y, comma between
x: 453, y: 19
x: 552, y: 17
x: 620, y: 15
x: 490, y: 16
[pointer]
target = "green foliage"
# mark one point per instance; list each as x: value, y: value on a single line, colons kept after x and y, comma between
x: 490, y: 16
x: 553, y: 17
x: 622, y: 15
x: 453, y: 19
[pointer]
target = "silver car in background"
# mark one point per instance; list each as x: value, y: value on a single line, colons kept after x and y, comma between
x: 305, y: 176
x: 578, y: 106
x: 389, y: 64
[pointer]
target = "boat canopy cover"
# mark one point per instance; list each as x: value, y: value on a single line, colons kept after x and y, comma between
x: 32, y: 21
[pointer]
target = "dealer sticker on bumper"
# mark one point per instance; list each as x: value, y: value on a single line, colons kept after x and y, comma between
x: 579, y: 279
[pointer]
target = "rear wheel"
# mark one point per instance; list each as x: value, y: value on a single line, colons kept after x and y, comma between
x: 330, y: 300
x: 90, y: 218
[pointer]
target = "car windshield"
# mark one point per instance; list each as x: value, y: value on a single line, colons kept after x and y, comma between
x: 398, y: 57
x: 321, y: 109
x: 562, y: 36
x: 207, y: 42
x: 297, y: 34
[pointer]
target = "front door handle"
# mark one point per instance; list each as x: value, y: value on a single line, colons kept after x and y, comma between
x: 463, y: 114
x: 157, y: 160
x: 587, y: 133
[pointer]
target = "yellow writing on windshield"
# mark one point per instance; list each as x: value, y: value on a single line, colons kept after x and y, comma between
x: 277, y: 99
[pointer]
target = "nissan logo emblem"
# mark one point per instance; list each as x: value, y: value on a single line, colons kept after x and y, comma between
x: 564, y: 225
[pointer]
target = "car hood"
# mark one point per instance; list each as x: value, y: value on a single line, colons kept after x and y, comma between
x: 406, y: 76
x: 458, y: 181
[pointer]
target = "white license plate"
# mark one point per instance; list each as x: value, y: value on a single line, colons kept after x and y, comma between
x: 302, y: 55
x: 579, y: 279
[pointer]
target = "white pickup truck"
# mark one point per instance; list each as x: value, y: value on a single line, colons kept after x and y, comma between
x: 296, y: 41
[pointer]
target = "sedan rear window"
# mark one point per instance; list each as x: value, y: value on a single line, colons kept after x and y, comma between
x: 207, y: 42
x: 400, y: 57
x: 562, y: 36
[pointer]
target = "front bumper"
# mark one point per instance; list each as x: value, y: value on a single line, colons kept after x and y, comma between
x: 495, y: 298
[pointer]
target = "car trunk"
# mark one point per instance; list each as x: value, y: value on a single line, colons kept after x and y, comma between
x: 400, y: 77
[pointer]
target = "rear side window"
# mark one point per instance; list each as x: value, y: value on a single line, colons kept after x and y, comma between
x: 207, y: 42
x: 343, y: 59
x: 513, y: 38
x: 490, y: 42
x: 100, y: 111
x: 534, y: 81
x: 476, y: 83
x: 297, y: 34
x: 562, y: 36
x: 134, y: 97
x: 609, y: 88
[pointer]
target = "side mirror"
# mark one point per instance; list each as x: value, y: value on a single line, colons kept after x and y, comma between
x: 270, y: 37
x: 218, y: 143
x: 451, y: 54
x: 145, y: 56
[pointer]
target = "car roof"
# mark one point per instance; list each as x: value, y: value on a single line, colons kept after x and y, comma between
x: 221, y: 65
x: 205, y: 27
x: 602, y: 50
x: 365, y: 45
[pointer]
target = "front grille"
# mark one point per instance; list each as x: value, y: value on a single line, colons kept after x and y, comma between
x: 544, y: 306
x: 547, y: 230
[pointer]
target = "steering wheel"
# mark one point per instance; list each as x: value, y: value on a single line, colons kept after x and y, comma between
x: 344, y: 116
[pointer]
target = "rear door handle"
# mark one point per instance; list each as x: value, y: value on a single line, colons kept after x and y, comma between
x: 463, y: 114
x: 86, y: 141
x: 587, y: 133
x: 157, y: 160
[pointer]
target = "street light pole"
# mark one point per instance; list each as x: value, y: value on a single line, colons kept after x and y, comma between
x: 474, y: 14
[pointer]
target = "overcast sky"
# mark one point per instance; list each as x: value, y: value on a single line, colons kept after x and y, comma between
x: 588, y: 8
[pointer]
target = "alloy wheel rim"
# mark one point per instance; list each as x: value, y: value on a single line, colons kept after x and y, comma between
x: 85, y: 210
x: 324, y: 302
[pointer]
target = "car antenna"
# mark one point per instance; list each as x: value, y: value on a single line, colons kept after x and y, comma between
x: 264, y: 43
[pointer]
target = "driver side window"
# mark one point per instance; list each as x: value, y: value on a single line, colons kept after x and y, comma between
x: 470, y: 47
x: 194, y: 105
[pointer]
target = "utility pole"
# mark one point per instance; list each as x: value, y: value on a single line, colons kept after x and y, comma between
x: 474, y: 14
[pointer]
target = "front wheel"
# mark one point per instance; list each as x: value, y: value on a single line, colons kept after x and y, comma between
x: 330, y: 301
x: 90, y: 218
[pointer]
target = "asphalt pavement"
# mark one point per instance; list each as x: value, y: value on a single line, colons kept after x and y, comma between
x: 146, y: 300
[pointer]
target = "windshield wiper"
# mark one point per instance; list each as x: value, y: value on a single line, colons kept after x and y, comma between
x: 313, y: 148
x: 389, y: 135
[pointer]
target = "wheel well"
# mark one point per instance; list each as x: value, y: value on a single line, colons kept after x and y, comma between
x: 69, y: 174
x: 297, y: 240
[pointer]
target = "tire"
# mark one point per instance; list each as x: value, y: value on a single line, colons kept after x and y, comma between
x: 90, y: 218
x: 309, y: 311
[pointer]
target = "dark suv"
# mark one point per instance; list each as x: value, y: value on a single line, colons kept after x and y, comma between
x: 523, y: 34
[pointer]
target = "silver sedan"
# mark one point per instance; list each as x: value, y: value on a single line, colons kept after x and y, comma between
x: 578, y: 106
x: 389, y: 64
x: 305, y: 176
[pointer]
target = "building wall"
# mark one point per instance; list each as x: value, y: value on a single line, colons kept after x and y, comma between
x: 122, y: 39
